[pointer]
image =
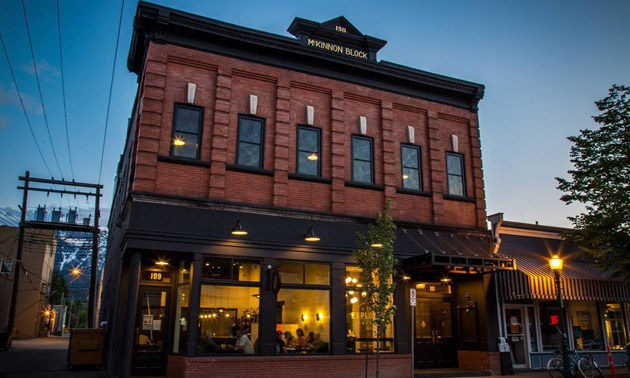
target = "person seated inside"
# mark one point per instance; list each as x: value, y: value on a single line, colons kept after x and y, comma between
x: 243, y: 344
x: 319, y: 346
x: 281, y: 347
x: 207, y: 344
x: 289, y: 340
x: 301, y: 340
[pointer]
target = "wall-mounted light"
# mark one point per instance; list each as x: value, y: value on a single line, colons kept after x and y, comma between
x: 238, y: 229
x: 406, y: 278
x: 161, y: 263
x: 313, y: 156
x: 445, y: 280
x: 310, y: 235
x: 304, y: 317
x: 319, y: 316
x: 377, y: 245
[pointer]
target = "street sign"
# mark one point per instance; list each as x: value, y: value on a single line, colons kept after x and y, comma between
x: 412, y: 297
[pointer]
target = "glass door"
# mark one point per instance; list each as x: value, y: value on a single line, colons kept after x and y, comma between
x: 151, y: 331
x: 516, y: 332
x: 435, y: 342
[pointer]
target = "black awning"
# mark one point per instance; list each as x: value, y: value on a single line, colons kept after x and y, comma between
x: 466, y: 252
x: 533, y: 279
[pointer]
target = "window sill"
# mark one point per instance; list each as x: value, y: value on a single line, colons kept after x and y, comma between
x: 459, y: 198
x: 186, y: 161
x: 364, y: 185
x: 414, y: 192
x: 246, y: 169
x: 302, y: 177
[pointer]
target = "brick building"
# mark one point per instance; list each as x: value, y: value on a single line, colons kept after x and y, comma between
x: 251, y: 160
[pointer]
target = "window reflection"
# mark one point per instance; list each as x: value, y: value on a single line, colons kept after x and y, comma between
x: 615, y: 329
x: 585, y: 322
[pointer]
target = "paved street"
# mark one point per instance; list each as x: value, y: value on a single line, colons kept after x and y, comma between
x: 47, y: 358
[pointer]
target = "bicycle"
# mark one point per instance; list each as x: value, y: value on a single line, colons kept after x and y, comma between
x: 580, y: 366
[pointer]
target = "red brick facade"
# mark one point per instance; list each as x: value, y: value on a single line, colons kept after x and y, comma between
x: 223, y: 88
x: 351, y: 366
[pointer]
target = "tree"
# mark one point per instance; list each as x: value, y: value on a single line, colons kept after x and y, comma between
x: 601, y: 181
x: 375, y: 256
x: 58, y: 289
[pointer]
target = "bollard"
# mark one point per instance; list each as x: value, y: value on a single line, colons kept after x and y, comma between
x: 610, y: 362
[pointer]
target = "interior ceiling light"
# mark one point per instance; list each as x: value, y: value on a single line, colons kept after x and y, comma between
x: 179, y: 142
x: 313, y: 156
x: 238, y: 229
x: 310, y: 235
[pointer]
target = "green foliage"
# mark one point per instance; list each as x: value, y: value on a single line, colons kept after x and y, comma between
x: 378, y: 268
x: 58, y: 289
x: 601, y: 181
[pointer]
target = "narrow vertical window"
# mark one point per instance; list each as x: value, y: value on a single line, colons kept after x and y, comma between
x: 455, y: 172
x: 251, y: 134
x: 362, y: 159
x: 411, y: 164
x: 308, y: 151
x: 187, y: 126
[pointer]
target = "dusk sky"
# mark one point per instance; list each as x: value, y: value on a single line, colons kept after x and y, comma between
x: 543, y: 64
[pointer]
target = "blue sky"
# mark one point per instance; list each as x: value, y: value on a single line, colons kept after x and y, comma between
x: 543, y: 63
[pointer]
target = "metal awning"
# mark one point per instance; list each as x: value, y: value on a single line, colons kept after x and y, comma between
x: 533, y: 279
x: 460, y: 252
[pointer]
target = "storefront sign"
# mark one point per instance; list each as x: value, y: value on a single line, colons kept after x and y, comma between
x: 339, y: 49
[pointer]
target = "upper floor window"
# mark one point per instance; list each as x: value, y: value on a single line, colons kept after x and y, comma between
x: 362, y: 159
x: 411, y: 164
x: 308, y: 151
x: 251, y: 135
x: 187, y: 126
x: 455, y: 173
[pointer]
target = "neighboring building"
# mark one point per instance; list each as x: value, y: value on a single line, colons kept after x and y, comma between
x: 235, y: 129
x: 38, y: 257
x: 598, y: 307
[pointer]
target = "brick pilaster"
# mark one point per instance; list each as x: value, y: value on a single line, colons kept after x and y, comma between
x: 390, y: 168
x: 477, y: 172
x: 438, y: 169
x: 281, y: 162
x: 338, y: 137
x: 220, y: 133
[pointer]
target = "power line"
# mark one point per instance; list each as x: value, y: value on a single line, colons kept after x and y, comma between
x: 111, y: 86
x: 28, y: 121
x: 41, y: 98
x: 63, y: 87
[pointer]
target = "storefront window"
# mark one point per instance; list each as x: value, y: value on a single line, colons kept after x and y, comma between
x: 222, y: 312
x: 361, y: 332
x: 550, y: 326
x: 586, y: 330
x: 303, y: 321
x: 223, y: 268
x: 615, y: 329
x: 292, y: 272
x: 181, y: 319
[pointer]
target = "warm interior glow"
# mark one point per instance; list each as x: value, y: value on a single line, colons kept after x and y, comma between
x: 555, y: 263
x: 161, y: 263
x: 421, y: 286
x: 377, y: 245
x: 348, y: 280
x: 445, y: 280
x: 406, y: 278
x: 179, y: 142
x: 405, y: 177
x: 354, y: 300
x: 313, y: 156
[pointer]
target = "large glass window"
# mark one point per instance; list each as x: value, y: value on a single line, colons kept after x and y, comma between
x: 296, y: 272
x: 362, y: 159
x: 308, y: 151
x: 187, y: 126
x: 585, y: 322
x: 361, y: 332
x: 615, y: 329
x: 228, y: 319
x: 251, y: 136
x: 455, y: 173
x: 411, y: 172
x: 550, y: 326
x: 227, y: 268
x: 303, y: 321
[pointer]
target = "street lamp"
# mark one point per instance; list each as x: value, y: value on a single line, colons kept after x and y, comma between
x: 556, y: 265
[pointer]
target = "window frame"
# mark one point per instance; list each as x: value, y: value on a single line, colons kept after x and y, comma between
x: 231, y: 281
x: 402, y: 166
x: 371, y: 140
x: 318, y: 152
x: 463, y: 174
x: 261, y: 143
x: 176, y: 107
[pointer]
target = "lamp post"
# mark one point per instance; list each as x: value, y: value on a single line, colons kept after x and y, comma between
x: 556, y: 265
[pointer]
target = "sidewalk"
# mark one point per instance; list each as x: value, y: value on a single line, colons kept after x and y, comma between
x: 41, y: 358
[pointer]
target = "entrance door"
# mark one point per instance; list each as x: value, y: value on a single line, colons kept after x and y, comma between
x: 516, y: 335
x: 151, y: 331
x: 435, y: 342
